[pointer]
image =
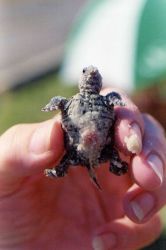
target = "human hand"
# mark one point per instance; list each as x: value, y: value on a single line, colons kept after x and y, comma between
x: 39, y: 213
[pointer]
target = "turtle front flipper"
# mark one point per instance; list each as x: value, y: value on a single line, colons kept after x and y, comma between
x: 113, y: 98
x: 57, y: 102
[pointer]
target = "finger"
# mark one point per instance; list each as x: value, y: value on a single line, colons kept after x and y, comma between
x: 27, y: 149
x: 129, y: 126
x: 148, y: 168
x: 125, y: 234
x: 140, y: 206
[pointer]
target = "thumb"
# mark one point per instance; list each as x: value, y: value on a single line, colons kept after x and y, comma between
x: 27, y: 149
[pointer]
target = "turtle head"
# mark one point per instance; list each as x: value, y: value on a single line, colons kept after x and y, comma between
x: 90, y: 80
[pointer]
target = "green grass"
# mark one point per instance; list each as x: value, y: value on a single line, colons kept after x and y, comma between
x: 24, y: 105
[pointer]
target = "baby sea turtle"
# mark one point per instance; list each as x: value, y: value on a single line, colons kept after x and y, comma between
x: 88, y: 120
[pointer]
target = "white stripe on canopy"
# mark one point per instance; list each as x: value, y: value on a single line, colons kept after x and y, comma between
x: 107, y: 39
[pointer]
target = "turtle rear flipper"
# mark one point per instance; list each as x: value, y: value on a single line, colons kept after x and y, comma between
x: 60, y: 170
x: 117, y: 166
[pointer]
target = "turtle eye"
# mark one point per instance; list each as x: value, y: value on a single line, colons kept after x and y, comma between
x: 84, y: 70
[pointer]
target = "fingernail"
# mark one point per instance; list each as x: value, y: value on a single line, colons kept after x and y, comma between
x: 40, y: 139
x: 157, y: 166
x: 134, y: 140
x: 104, y: 242
x: 142, y: 205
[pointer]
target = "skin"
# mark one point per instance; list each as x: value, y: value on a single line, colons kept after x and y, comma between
x: 70, y: 213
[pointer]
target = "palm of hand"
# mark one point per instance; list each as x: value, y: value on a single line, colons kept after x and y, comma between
x: 64, y: 213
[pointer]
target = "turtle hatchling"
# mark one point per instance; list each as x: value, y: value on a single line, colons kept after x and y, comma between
x: 88, y: 120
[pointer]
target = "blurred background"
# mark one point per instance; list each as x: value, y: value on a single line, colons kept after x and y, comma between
x: 45, y: 44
